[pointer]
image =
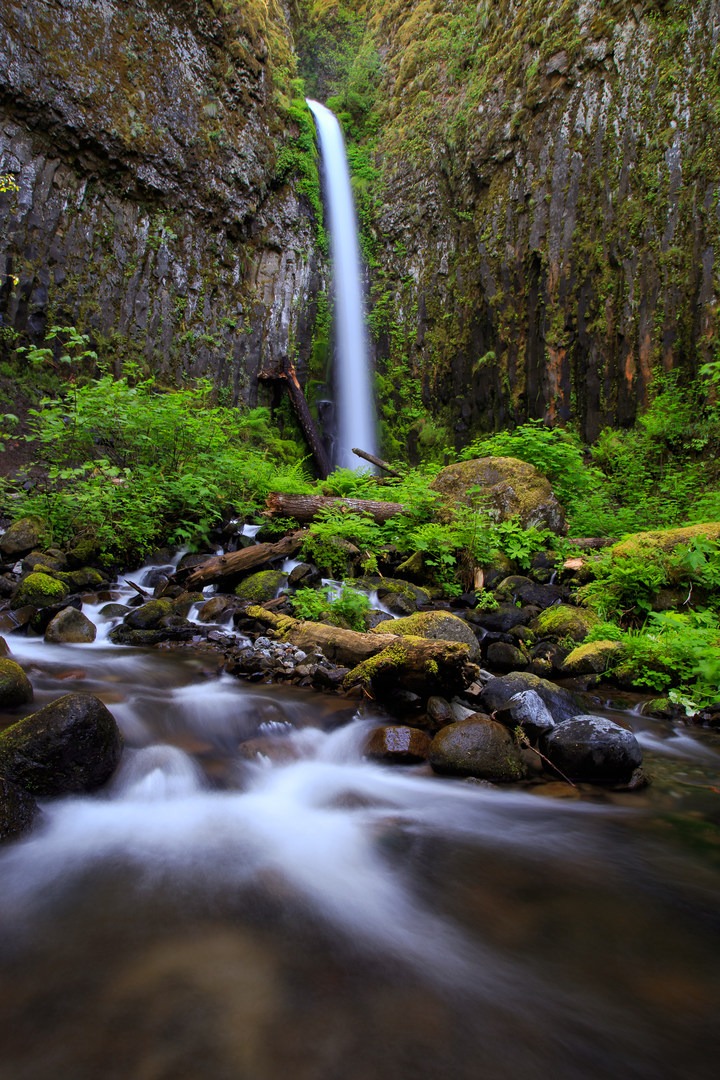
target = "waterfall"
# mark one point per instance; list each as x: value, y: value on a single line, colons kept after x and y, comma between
x: 355, y: 409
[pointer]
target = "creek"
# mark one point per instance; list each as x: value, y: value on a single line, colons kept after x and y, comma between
x: 313, y: 915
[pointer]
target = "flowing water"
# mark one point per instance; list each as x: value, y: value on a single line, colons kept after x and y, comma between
x: 355, y: 411
x: 305, y: 913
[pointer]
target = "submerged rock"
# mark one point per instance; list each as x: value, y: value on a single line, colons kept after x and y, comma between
x: 18, y: 810
x: 477, y: 747
x: 15, y: 687
x: 71, y: 745
x: 593, y: 748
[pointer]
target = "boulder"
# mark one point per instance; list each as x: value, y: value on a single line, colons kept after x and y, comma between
x: 397, y: 744
x: 22, y: 537
x: 528, y: 710
x: 497, y: 692
x: 148, y: 615
x: 509, y: 487
x: 70, y: 626
x: 39, y: 590
x: 501, y: 619
x: 433, y: 626
x: 263, y: 586
x: 501, y: 656
x: 565, y: 621
x: 593, y: 748
x: 15, y: 688
x: 529, y: 592
x: 18, y: 810
x: 71, y: 745
x: 592, y: 659
x: 477, y: 747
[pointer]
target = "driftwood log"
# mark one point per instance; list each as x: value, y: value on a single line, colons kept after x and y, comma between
x: 240, y: 562
x: 304, y: 508
x: 381, y: 663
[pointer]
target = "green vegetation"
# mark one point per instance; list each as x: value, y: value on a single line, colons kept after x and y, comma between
x: 346, y: 609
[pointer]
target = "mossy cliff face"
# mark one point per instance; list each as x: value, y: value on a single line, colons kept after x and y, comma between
x: 545, y: 231
x: 146, y: 139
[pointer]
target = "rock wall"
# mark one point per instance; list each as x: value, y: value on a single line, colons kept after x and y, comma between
x: 145, y: 139
x: 547, y: 228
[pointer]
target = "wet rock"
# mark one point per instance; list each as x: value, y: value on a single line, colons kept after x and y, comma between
x: 529, y: 711
x: 530, y: 593
x: 398, y: 604
x: 15, y: 687
x: 497, y: 692
x: 71, y: 745
x: 504, y: 657
x: 440, y: 711
x: 87, y: 577
x: 263, y: 586
x: 4, y: 647
x: 22, y: 537
x: 280, y: 751
x: 397, y: 744
x: 592, y: 659
x: 434, y: 626
x: 565, y: 621
x: 114, y: 611
x: 476, y: 747
x: 305, y: 576
x: 39, y: 590
x: 503, y: 618
x: 512, y: 488
x: 71, y: 626
x: 593, y: 748
x: 212, y: 609
x: 18, y: 810
x: 7, y: 586
x: 125, y: 635
x: 547, y: 657
x: 148, y: 615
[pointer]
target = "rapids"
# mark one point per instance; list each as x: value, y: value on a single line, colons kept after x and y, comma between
x: 306, y: 913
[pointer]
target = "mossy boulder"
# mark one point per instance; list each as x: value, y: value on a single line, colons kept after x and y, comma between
x: 49, y: 560
x: 18, y: 810
x: 39, y: 590
x: 593, y: 658
x: 510, y: 488
x: 87, y: 577
x: 71, y: 745
x: 262, y: 586
x: 148, y: 615
x: 432, y: 626
x: 564, y: 621
x: 15, y: 687
x: 70, y: 626
x: 477, y: 747
x: 22, y: 537
x: 665, y: 539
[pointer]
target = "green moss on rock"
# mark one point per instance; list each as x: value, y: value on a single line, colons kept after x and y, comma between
x: 15, y: 687
x: 39, y: 590
x: 665, y: 540
x: 592, y: 659
x: 262, y: 586
x: 565, y: 621
x: 432, y: 625
x: 510, y: 488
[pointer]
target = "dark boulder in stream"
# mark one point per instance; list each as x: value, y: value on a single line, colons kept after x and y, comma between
x: 15, y: 687
x: 70, y: 745
x: 477, y: 747
x: 18, y: 810
x: 593, y: 748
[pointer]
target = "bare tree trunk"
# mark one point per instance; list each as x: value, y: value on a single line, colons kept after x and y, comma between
x: 375, y: 461
x: 240, y: 562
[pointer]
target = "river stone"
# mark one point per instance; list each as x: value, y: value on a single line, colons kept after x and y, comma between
x: 504, y: 657
x: 148, y: 615
x: 15, y: 687
x: 22, y: 537
x: 397, y: 744
x: 528, y: 710
x: 503, y: 618
x: 213, y: 608
x: 510, y: 487
x: 262, y: 586
x: 71, y: 745
x: 39, y: 590
x: 497, y: 692
x: 434, y: 626
x: 18, y: 810
x: 304, y: 575
x: 476, y: 747
x: 565, y: 621
x: 50, y: 560
x: 71, y: 626
x: 592, y: 659
x: 593, y: 748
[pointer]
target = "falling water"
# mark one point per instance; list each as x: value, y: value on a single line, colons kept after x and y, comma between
x: 355, y: 416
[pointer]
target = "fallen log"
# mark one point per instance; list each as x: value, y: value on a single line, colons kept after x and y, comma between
x: 375, y: 461
x: 304, y: 508
x: 381, y: 663
x: 240, y: 562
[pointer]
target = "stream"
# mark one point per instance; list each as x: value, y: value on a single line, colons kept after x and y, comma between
x: 316, y: 916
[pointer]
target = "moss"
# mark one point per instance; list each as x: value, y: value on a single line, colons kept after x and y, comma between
x: 40, y: 590
x: 262, y: 586
x: 593, y: 658
x: 508, y: 486
x: 563, y: 620
x: 15, y: 687
x: 665, y: 540
x: 434, y: 626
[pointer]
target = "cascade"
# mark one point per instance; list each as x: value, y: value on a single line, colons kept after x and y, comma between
x: 355, y: 410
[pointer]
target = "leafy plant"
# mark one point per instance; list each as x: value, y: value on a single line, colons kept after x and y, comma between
x: 324, y: 605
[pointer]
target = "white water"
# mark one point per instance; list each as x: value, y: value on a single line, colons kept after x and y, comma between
x: 355, y: 411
